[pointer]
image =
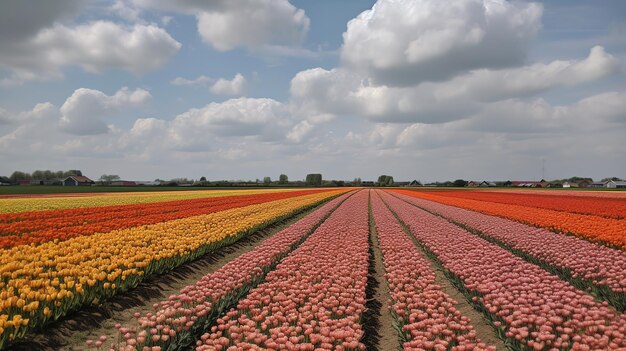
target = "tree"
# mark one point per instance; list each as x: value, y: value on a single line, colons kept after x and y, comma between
x: 37, y: 174
x: 17, y: 175
x: 267, y: 180
x: 385, y: 180
x: 357, y: 181
x: 459, y: 183
x: 203, y: 179
x: 72, y: 172
x: 314, y: 179
x: 109, y: 178
x: 283, y: 179
x: 612, y: 178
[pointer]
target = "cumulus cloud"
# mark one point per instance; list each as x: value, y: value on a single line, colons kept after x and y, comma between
x: 403, y: 42
x: 95, y: 46
x: 199, y: 81
x: 264, y: 119
x: 252, y: 24
x: 493, y: 85
x: 84, y: 111
x: 342, y: 91
x: 235, y: 86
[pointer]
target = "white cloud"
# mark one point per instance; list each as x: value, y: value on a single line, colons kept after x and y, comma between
x: 83, y: 113
x: 403, y: 42
x: 235, y: 86
x: 492, y: 85
x: 95, y: 46
x: 264, y: 119
x: 199, y: 81
x: 5, y: 117
x: 252, y: 24
x: 126, y: 11
x: 341, y: 91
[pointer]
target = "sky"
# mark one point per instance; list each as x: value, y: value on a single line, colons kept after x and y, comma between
x: 243, y: 89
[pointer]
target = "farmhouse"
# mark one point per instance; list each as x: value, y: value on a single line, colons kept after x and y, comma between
x: 78, y: 181
x: 414, y: 183
x: 473, y: 183
x: 616, y: 184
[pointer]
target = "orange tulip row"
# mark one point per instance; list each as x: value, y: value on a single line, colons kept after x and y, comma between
x: 597, y: 206
x: 604, y: 230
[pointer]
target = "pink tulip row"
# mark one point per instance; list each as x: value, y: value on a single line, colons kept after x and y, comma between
x: 532, y: 308
x: 426, y: 314
x: 600, y: 265
x: 181, y: 318
x: 314, y: 298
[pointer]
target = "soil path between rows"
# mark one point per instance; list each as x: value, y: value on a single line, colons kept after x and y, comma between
x: 387, y: 337
x: 71, y: 332
x: 485, y: 332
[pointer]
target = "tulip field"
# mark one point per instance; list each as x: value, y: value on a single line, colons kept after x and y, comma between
x: 323, y: 269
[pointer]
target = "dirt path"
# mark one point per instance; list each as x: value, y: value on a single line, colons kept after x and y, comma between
x: 71, y: 332
x: 380, y: 334
x: 485, y: 332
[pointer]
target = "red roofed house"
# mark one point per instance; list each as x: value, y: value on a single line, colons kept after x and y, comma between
x: 78, y: 181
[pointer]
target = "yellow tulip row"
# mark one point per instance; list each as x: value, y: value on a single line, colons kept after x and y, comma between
x: 41, y: 283
x: 12, y: 205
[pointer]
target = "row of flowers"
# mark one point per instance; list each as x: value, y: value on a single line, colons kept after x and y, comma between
x: 315, y: 297
x: 586, y: 265
x: 50, y: 202
x: 41, y: 283
x: 594, y: 228
x: 38, y: 227
x: 426, y: 316
x: 178, y: 321
x: 530, y: 307
x: 597, y: 206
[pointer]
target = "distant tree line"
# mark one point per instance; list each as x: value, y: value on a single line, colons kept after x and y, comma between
x: 43, y: 175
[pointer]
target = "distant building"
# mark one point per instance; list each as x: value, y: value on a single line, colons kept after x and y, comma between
x: 616, y: 184
x: 45, y: 182
x: 529, y: 184
x: 149, y: 183
x: 123, y: 183
x: 485, y: 184
x: 598, y: 185
x: 78, y: 181
x: 473, y: 184
x: 367, y: 183
x: 584, y: 183
x: 414, y: 183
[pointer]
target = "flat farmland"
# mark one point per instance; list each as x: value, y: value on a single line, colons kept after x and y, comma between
x: 314, y: 269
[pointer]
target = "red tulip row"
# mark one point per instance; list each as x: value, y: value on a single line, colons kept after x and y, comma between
x: 314, y: 299
x: 425, y: 314
x: 179, y: 320
x: 586, y: 265
x: 532, y: 308
x: 42, y: 226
